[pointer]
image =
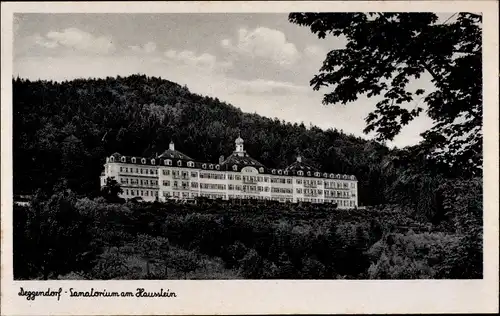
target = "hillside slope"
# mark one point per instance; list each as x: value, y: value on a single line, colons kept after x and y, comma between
x: 63, y: 131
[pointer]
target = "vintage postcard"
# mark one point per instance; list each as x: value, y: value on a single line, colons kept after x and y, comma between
x: 249, y: 157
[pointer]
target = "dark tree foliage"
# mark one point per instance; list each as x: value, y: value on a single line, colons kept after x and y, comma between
x: 111, y: 190
x: 385, y: 51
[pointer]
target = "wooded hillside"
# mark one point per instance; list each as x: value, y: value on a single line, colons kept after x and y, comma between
x: 63, y: 131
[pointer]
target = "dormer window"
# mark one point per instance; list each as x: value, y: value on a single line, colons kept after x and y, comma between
x: 179, y: 163
x: 316, y: 174
x: 111, y: 159
x: 300, y: 173
x: 134, y: 160
x: 123, y: 159
x: 352, y: 177
x: 274, y: 171
x: 190, y: 164
x: 309, y: 173
x: 153, y: 162
x: 331, y: 175
x: 279, y: 171
x: 235, y: 167
x: 204, y: 166
x: 285, y: 172
x: 217, y: 167
x: 337, y: 176
x: 261, y: 170
x: 143, y: 160
x: 325, y: 175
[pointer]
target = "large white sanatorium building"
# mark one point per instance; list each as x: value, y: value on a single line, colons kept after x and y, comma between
x: 173, y: 175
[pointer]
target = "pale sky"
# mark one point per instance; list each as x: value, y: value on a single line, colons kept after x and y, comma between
x: 260, y: 63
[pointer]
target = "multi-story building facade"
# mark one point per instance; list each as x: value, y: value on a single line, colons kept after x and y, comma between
x: 174, y: 175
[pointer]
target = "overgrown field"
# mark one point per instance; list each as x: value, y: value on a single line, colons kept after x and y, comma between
x: 63, y: 236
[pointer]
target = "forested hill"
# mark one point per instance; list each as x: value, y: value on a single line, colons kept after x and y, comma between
x: 63, y: 131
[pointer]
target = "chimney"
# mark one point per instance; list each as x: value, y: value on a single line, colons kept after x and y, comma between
x: 221, y: 159
x: 299, y: 159
x: 171, y: 146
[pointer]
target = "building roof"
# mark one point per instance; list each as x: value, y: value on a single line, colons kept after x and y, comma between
x: 300, y: 166
x: 174, y: 154
x: 239, y: 158
x: 240, y: 161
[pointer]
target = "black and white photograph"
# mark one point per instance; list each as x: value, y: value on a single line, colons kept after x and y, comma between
x: 297, y: 145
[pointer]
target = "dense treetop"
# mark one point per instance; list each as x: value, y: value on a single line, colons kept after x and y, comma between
x: 385, y: 52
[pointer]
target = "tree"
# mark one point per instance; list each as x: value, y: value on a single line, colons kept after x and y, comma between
x: 384, y: 51
x: 111, y: 190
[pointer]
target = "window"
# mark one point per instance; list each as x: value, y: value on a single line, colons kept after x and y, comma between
x: 204, y: 166
x: 331, y: 175
x: 316, y: 174
x: 179, y: 163
x: 133, y: 160
x: 217, y: 167
x: 299, y: 190
x: 235, y: 167
x: 166, y: 183
x: 273, y: 171
x: 280, y: 172
x: 194, y: 174
x: 143, y: 161
x: 111, y: 159
x: 285, y: 172
x: 211, y: 166
x: 299, y: 181
x: 123, y: 159
x: 153, y: 161
x: 325, y: 175
x: 261, y: 170
x: 190, y: 164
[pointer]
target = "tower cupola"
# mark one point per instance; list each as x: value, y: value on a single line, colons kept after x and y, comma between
x: 239, y: 146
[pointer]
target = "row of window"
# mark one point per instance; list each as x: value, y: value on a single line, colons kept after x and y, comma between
x: 212, y: 186
x: 282, y: 190
x: 185, y: 175
x: 216, y: 176
x: 141, y: 193
x: 249, y: 188
x: 343, y: 194
x: 176, y: 195
x: 138, y: 170
x: 187, y: 195
x: 281, y: 180
x: 142, y: 182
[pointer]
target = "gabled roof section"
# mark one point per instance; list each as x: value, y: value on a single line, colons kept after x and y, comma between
x: 240, y: 161
x: 300, y: 166
x: 174, y: 154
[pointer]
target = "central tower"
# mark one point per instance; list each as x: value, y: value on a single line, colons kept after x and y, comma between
x: 239, y: 147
